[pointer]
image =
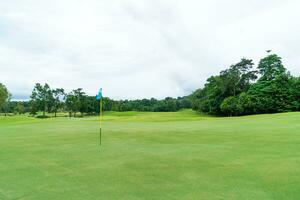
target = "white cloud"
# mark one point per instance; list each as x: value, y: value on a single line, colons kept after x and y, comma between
x: 136, y: 49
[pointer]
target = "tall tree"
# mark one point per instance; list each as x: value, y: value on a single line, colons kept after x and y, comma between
x: 75, y: 101
x: 231, y: 106
x: 238, y: 77
x: 58, y: 97
x: 71, y: 104
x: 235, y: 92
x: 270, y: 67
x: 4, y: 96
x: 80, y: 100
x: 41, y: 98
x: 230, y: 82
x: 19, y: 109
x: 6, y: 104
x: 273, y: 91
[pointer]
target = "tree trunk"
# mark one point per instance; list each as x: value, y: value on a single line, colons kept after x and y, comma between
x: 44, y: 111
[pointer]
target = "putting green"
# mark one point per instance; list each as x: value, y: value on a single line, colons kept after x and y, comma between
x: 163, y: 156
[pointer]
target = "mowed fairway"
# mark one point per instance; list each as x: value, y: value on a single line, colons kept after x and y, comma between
x: 163, y: 156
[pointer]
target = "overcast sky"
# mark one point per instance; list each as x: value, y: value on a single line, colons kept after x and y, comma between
x: 139, y: 48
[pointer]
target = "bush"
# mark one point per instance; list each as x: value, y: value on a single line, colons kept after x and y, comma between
x: 42, y: 116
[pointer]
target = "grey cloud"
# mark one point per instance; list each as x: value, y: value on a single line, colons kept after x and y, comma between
x: 136, y: 49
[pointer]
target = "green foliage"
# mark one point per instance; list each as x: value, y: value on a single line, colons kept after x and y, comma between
x: 166, y: 105
x: 276, y: 95
x: 74, y: 101
x: 41, y: 98
x: 19, y: 109
x: 235, y: 92
x: 42, y: 116
x: 4, y: 96
x: 230, y: 82
x: 231, y: 106
x: 58, y: 97
x: 78, y: 101
x: 45, y: 99
x: 270, y: 67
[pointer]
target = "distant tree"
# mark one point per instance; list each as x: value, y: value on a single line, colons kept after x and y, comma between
x: 107, y: 104
x: 247, y: 103
x: 80, y: 100
x: 58, y: 97
x: 270, y: 67
x: 275, y: 95
x: 41, y: 98
x: 4, y: 97
x: 33, y: 108
x: 170, y: 104
x: 295, y: 90
x: 239, y: 76
x: 184, y: 102
x: 71, y: 103
x: 76, y: 102
x: 90, y: 104
x: 231, y: 106
x: 236, y: 91
x: 275, y: 91
x: 19, y: 109
x: 230, y: 82
x: 6, y: 105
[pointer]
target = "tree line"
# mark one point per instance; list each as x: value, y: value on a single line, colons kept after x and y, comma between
x: 45, y: 99
x: 243, y: 90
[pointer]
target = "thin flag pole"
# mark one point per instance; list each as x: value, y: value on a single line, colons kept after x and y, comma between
x: 100, y: 120
x: 100, y: 97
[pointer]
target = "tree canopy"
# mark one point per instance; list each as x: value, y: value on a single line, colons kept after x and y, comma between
x: 240, y: 90
x: 4, y: 97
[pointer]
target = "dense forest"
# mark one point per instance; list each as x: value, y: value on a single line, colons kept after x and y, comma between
x: 241, y: 89
x: 46, y: 100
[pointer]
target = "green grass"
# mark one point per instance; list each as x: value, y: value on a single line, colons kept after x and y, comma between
x: 149, y: 156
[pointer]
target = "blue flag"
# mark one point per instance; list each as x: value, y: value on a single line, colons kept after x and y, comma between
x: 99, y: 95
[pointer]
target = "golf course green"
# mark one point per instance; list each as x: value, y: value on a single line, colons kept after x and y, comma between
x: 182, y: 155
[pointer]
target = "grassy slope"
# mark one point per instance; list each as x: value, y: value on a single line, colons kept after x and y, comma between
x: 151, y: 156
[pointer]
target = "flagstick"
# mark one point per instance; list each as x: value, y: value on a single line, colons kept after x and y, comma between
x: 100, y: 118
